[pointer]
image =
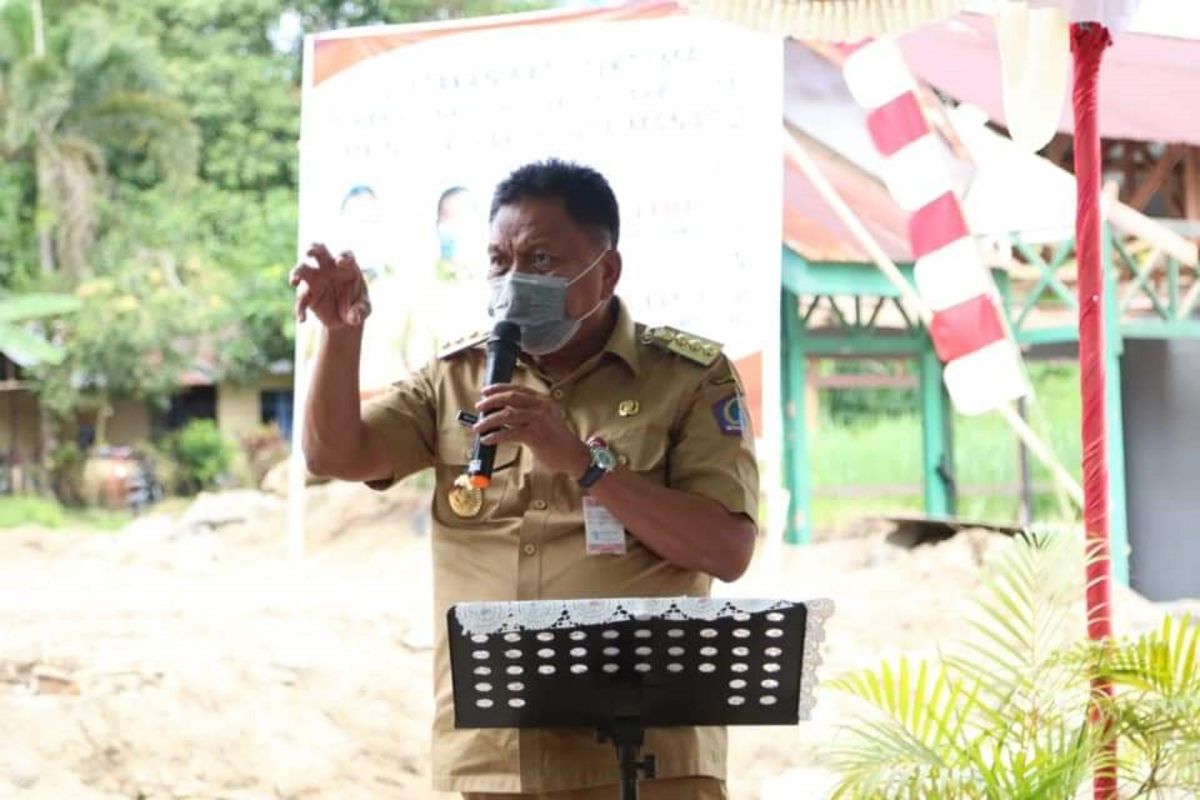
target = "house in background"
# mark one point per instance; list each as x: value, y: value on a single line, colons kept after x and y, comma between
x: 236, y: 408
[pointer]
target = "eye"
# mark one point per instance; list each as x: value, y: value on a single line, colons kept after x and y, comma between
x: 541, y: 260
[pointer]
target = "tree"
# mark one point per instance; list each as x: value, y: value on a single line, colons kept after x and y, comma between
x: 136, y: 333
x: 71, y: 99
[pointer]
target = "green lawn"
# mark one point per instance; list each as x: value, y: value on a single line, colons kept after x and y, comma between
x: 886, y: 452
x: 20, y: 510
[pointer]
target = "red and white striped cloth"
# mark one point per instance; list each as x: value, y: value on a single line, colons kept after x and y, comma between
x: 983, y: 363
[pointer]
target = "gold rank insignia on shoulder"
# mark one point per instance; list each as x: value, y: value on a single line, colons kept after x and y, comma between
x: 694, y: 348
x: 462, y: 343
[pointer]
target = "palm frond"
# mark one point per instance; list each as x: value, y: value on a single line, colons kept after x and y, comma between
x: 146, y: 121
x: 16, y: 308
x: 38, y: 94
x: 1019, y: 626
x: 925, y: 717
x: 28, y: 348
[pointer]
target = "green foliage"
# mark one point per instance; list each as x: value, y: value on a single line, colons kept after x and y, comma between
x: 1004, y: 714
x: 133, y: 338
x: 201, y: 455
x: 96, y: 97
x: 19, y: 510
x: 18, y: 340
x: 151, y: 154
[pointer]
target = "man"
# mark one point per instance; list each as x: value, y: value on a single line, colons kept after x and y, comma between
x: 662, y: 408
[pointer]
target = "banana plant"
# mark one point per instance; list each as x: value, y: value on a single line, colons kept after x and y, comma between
x: 20, y: 341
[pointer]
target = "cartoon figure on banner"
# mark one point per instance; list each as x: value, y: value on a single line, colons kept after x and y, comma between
x: 459, y: 269
x: 405, y: 344
x: 460, y: 226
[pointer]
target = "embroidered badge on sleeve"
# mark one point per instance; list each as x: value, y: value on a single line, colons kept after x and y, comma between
x: 728, y: 412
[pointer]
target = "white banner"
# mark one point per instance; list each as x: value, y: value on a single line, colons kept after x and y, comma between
x: 405, y: 137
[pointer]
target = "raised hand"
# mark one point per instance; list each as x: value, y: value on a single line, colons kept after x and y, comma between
x: 333, y: 289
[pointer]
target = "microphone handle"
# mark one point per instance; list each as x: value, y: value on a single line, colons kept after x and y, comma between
x: 501, y: 360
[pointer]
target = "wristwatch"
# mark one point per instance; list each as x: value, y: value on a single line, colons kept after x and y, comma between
x: 602, y: 462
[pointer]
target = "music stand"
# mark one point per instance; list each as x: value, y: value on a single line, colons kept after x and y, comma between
x: 620, y: 666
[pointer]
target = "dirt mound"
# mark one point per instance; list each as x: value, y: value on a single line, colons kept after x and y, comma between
x: 185, y: 657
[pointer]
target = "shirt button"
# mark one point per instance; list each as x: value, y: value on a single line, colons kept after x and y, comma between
x: 557, y: 394
x: 529, y: 549
x: 540, y: 505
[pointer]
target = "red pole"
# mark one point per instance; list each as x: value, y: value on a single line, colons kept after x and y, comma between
x: 1088, y: 41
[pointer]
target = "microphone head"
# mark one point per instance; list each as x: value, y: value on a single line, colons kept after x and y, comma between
x: 505, y: 331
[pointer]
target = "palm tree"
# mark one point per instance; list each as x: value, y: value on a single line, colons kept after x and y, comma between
x: 1005, y: 714
x: 67, y: 101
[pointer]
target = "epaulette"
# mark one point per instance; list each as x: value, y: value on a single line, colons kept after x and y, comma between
x: 456, y: 346
x: 693, y: 348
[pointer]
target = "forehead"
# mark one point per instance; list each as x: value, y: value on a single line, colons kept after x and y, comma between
x: 535, y: 218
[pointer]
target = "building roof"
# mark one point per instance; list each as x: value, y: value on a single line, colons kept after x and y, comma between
x: 1148, y: 84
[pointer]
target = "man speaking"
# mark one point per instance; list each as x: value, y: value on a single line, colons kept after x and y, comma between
x: 643, y: 426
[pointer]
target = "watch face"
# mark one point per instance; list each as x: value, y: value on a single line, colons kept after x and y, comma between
x: 604, y: 458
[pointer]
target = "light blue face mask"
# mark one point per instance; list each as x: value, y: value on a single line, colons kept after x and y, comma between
x: 538, y: 303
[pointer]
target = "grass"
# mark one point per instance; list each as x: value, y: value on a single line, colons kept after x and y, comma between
x: 885, y: 451
x: 18, y: 510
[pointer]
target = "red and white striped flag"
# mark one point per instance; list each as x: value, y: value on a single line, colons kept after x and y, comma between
x: 983, y: 363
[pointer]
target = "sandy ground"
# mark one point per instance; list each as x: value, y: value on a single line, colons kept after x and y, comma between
x: 185, y: 658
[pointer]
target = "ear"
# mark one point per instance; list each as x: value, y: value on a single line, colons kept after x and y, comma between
x: 610, y: 272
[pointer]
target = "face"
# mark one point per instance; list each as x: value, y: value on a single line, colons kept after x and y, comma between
x: 537, y: 236
x: 456, y: 209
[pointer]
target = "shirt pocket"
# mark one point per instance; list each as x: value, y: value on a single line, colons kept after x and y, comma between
x: 454, y: 446
x: 643, y: 449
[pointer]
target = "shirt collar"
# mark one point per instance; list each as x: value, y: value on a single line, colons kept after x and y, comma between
x: 622, y: 342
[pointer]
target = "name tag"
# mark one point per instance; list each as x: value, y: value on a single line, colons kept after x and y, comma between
x: 603, y: 532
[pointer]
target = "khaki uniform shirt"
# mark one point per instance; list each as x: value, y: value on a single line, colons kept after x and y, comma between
x: 680, y: 426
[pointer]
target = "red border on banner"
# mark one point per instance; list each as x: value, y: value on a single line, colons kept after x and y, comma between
x: 338, y: 51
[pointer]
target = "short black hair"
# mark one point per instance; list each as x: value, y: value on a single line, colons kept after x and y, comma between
x: 361, y: 190
x: 585, y: 193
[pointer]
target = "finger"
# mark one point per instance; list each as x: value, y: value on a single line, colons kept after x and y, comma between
x: 346, y: 259
x: 302, y: 272
x: 358, y: 312
x: 506, y: 387
x: 302, y: 300
x: 321, y: 253
x: 530, y: 400
x: 506, y: 436
x: 505, y: 418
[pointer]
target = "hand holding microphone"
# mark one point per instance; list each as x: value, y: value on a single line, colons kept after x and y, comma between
x: 502, y: 348
x: 517, y: 414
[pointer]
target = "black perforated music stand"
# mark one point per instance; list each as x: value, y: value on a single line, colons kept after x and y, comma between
x: 633, y: 664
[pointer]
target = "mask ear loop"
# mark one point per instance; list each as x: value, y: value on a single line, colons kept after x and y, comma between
x: 591, y: 266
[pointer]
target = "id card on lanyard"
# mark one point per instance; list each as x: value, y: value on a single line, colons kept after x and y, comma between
x: 603, y: 532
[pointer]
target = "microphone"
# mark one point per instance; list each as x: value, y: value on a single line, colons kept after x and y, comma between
x: 502, y: 348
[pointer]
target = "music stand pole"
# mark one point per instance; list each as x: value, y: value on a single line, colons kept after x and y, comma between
x: 627, y: 737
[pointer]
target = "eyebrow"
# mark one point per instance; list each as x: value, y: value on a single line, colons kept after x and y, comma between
x: 525, y: 244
